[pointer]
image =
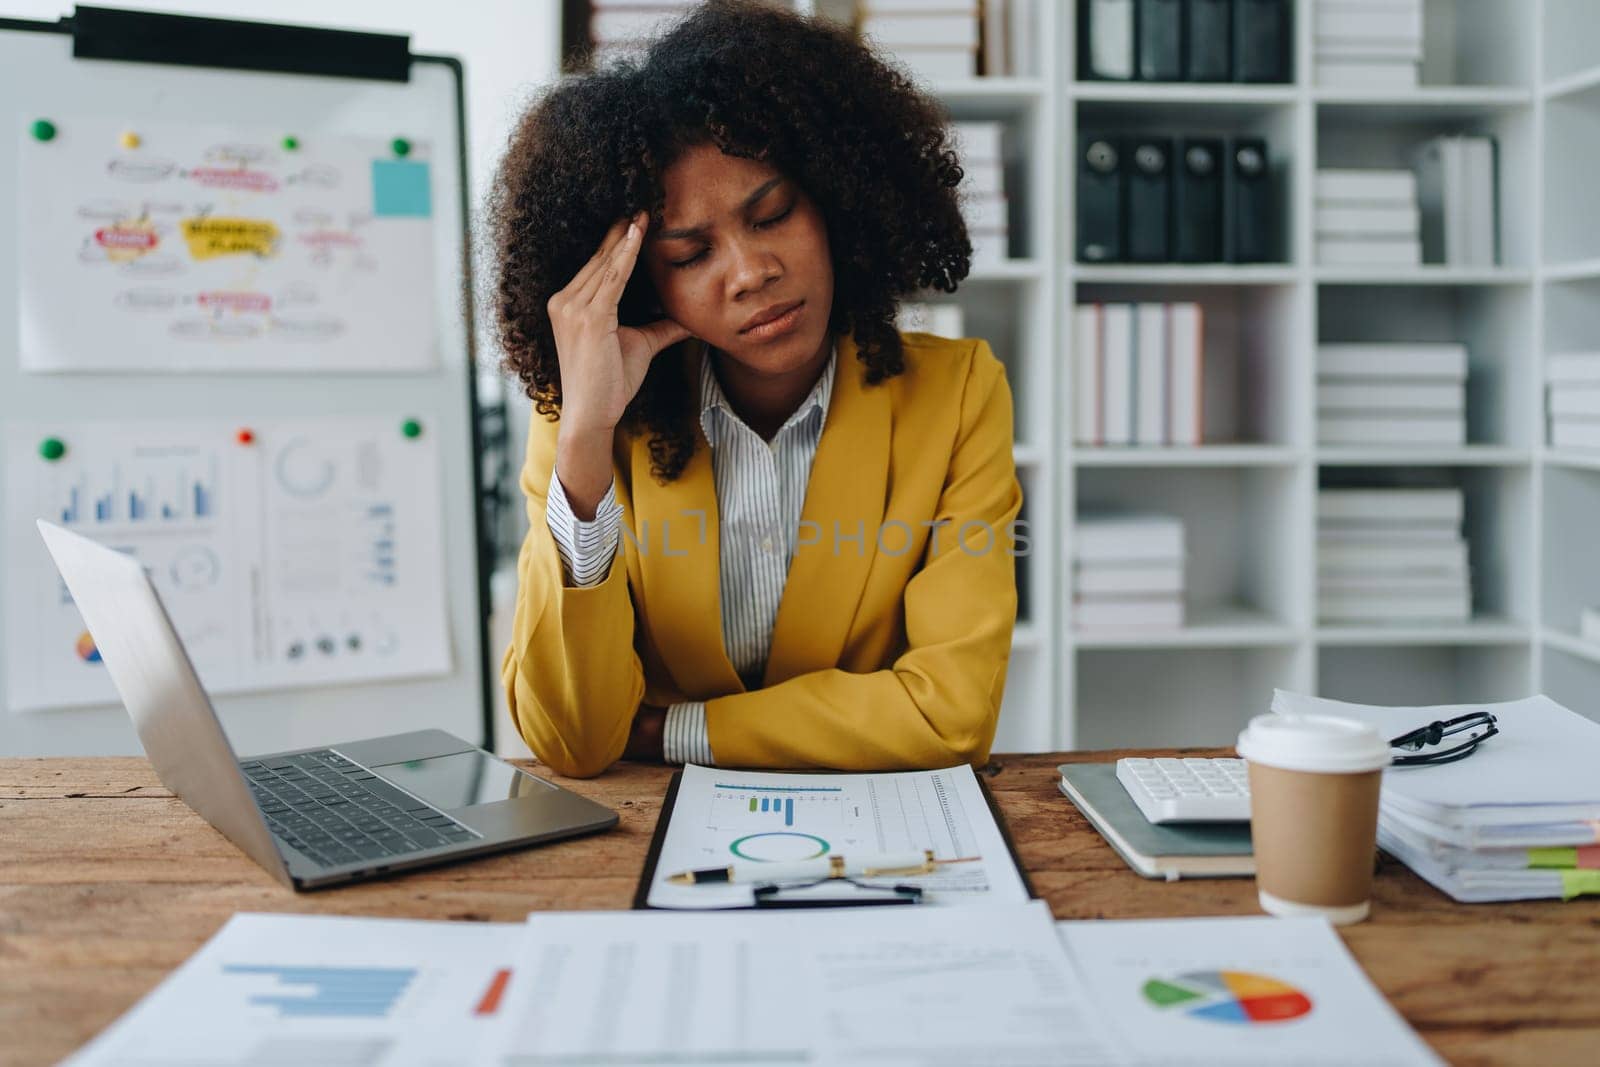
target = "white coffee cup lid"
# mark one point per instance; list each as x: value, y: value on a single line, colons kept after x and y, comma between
x: 1319, y: 743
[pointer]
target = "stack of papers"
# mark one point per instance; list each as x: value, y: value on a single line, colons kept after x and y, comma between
x: 1392, y: 556
x: 856, y: 985
x: 1367, y: 218
x: 1518, y: 819
x: 1574, y: 399
x: 1127, y: 572
x: 1383, y: 394
x: 1371, y: 46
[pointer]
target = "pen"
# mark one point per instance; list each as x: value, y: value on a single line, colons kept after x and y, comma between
x: 891, y: 863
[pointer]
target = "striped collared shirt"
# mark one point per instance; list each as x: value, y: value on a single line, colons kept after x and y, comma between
x: 761, y: 489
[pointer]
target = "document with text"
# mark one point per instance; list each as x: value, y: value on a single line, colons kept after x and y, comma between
x: 839, y: 985
x: 722, y: 818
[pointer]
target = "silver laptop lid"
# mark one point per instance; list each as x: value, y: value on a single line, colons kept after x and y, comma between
x: 176, y: 723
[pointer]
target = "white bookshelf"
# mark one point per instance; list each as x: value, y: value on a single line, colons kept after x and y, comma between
x: 1525, y: 71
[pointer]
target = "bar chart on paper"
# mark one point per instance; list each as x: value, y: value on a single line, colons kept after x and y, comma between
x: 321, y: 991
x: 326, y: 992
x: 721, y: 817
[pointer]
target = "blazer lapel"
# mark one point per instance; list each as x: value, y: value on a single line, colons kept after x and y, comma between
x: 845, y: 497
x: 680, y: 564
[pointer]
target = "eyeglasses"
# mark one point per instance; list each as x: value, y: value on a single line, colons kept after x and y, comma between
x: 768, y: 895
x: 1478, y: 726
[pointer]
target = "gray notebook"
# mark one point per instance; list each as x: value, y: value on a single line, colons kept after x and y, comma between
x: 1189, y: 850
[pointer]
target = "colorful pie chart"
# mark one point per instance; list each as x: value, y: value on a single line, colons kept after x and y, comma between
x: 1228, y: 997
x: 86, y: 650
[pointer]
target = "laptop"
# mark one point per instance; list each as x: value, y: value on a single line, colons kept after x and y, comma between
x: 313, y: 817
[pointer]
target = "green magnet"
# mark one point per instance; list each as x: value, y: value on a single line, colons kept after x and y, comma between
x: 44, y: 130
x: 52, y: 448
x: 411, y: 428
x: 401, y: 146
x: 291, y: 143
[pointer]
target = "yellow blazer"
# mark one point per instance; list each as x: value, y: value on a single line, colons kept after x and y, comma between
x: 892, y: 636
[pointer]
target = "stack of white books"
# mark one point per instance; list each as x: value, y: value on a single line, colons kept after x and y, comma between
x: 936, y: 39
x: 1127, y: 572
x: 1574, y: 400
x: 1367, y: 218
x: 1138, y: 374
x: 624, y: 28
x: 1387, y: 394
x: 940, y: 319
x: 1392, y: 556
x: 983, y: 190
x: 1513, y: 821
x: 1368, y: 44
x: 1456, y: 182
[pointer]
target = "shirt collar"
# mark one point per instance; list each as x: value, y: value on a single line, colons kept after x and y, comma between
x: 713, y: 400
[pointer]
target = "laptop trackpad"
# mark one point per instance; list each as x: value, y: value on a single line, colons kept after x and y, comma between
x: 462, y: 779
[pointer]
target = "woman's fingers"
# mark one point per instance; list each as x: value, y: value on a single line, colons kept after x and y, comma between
x: 596, y: 264
x: 608, y: 288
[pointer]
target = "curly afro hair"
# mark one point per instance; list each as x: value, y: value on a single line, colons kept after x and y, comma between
x: 801, y: 94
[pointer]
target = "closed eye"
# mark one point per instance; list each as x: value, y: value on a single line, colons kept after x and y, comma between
x: 762, y: 225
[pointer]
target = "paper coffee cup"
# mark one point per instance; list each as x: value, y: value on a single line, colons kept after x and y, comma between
x: 1314, y: 782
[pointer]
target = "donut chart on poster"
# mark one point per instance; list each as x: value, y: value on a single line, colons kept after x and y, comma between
x: 1228, y: 997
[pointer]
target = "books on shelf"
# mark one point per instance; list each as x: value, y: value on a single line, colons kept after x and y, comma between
x: 1359, y: 44
x: 1367, y: 218
x: 619, y: 28
x: 1127, y: 571
x: 1574, y: 400
x: 1387, y: 394
x: 939, y: 319
x: 1139, y: 374
x: 983, y: 193
x: 944, y: 40
x: 1392, y: 556
x: 1388, y: 361
x: 1390, y: 506
x: 1456, y: 184
x: 1339, y: 429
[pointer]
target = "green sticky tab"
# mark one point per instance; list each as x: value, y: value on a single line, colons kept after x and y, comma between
x: 52, y: 448
x: 43, y: 130
x: 1553, y: 857
x: 1577, y: 883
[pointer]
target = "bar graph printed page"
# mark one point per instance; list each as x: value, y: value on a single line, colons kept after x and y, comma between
x: 320, y: 991
x: 723, y: 817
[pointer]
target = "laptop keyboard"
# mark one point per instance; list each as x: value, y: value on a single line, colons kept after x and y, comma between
x: 338, y: 812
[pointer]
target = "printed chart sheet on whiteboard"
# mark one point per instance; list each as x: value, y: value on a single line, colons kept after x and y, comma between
x: 289, y: 552
x: 218, y: 248
x: 723, y: 816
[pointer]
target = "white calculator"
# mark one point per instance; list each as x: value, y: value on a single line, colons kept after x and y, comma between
x: 1187, y: 790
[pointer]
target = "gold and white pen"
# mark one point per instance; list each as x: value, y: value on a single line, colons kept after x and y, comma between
x: 890, y: 864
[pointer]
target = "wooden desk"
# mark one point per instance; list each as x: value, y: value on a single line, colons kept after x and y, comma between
x: 108, y: 882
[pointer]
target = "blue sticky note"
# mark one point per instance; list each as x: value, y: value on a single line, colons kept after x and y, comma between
x: 401, y: 189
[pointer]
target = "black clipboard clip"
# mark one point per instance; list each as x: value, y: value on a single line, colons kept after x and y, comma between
x: 770, y: 895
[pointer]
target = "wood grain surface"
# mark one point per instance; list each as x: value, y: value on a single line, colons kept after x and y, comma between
x: 108, y: 882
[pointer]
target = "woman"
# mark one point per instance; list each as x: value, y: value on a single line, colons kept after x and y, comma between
x: 766, y: 529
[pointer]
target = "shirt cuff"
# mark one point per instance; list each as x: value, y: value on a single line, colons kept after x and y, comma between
x: 587, y: 548
x: 684, y: 739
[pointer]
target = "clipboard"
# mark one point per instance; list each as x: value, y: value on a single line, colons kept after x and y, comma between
x: 641, y: 893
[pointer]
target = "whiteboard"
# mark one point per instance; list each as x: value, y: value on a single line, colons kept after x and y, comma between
x: 39, y: 77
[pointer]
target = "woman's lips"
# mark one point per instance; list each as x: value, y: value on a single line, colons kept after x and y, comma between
x: 779, y: 326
